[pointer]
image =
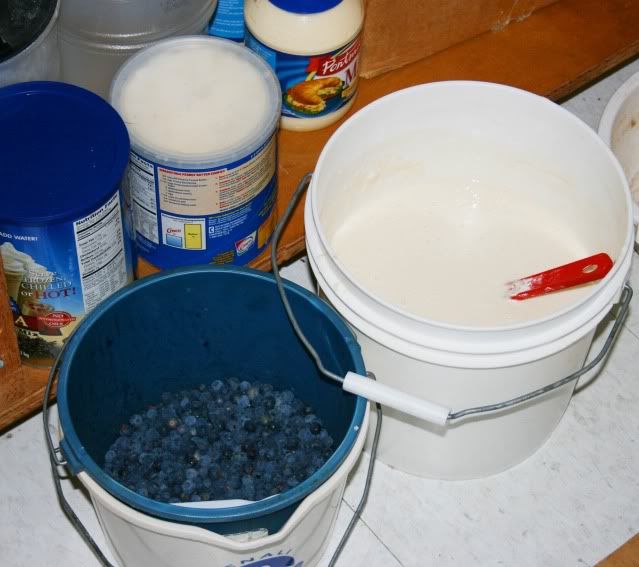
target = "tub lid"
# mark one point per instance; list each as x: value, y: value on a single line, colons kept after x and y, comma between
x: 63, y: 152
x: 21, y: 23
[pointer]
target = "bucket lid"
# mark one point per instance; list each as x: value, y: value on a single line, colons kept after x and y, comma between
x: 21, y: 23
x: 63, y: 152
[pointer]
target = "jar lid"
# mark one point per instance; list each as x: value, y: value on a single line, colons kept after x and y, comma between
x: 63, y: 152
x: 305, y: 6
x: 21, y: 23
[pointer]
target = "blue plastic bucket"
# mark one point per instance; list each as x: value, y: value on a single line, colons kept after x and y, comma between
x: 173, y: 331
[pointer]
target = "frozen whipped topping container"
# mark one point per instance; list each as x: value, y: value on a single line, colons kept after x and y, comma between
x: 314, y: 47
x: 64, y: 239
x: 202, y: 114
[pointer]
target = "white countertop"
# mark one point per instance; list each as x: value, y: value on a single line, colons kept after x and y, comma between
x: 570, y: 504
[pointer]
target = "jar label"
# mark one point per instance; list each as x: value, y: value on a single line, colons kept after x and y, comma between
x: 228, y: 20
x: 313, y: 85
x: 56, y: 274
x: 220, y: 215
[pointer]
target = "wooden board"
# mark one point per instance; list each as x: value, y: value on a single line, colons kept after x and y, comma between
x: 626, y: 556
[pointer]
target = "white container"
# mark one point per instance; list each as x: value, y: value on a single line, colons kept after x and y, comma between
x: 313, y: 46
x: 39, y: 59
x: 97, y: 37
x: 619, y: 128
x: 137, y: 539
x: 462, y: 366
x: 202, y: 114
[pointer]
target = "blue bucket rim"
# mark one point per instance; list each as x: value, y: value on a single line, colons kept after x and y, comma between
x: 80, y: 461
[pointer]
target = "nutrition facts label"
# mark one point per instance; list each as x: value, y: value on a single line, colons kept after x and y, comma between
x: 99, y: 240
x: 142, y: 193
x: 214, y: 191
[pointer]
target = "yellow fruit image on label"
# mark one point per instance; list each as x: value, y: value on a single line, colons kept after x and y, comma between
x: 193, y: 236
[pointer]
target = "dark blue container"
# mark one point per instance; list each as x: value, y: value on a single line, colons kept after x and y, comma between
x: 65, y: 229
x: 178, y: 329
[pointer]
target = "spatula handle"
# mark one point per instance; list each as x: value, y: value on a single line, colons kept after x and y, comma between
x: 573, y: 274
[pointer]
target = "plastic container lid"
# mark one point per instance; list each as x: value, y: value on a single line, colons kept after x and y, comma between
x: 305, y: 6
x: 63, y: 152
x: 226, y: 144
x: 21, y: 23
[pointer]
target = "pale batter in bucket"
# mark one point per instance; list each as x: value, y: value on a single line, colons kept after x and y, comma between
x: 442, y: 247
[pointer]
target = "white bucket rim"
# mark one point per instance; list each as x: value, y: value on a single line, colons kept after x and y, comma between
x: 599, y: 287
x: 615, y: 103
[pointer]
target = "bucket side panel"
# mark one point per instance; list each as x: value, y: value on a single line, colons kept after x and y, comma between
x: 136, y: 541
x: 480, y: 445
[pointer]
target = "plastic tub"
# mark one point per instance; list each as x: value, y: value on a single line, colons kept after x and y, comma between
x: 64, y: 237
x: 128, y: 351
x: 202, y: 175
x: 97, y: 37
x: 33, y: 54
x: 619, y: 128
x: 461, y: 366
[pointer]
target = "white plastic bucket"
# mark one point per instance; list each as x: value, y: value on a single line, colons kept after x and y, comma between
x: 139, y: 539
x: 452, y: 365
x: 619, y: 128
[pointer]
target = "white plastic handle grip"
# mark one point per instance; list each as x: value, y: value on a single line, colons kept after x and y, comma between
x: 376, y: 392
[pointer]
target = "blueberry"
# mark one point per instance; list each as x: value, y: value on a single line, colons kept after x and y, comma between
x: 188, y: 486
x: 231, y: 440
x: 248, y: 488
x: 152, y: 413
x: 284, y: 409
x: 145, y: 459
x: 135, y: 420
x: 253, y: 392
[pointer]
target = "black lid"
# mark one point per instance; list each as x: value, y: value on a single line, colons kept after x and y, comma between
x: 21, y: 23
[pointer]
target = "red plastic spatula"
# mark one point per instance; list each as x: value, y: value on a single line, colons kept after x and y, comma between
x: 576, y: 273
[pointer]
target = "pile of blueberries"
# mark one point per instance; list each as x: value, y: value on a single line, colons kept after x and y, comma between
x: 230, y: 440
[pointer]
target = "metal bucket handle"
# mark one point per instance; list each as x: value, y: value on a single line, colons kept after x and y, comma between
x: 56, y: 459
x: 411, y: 405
